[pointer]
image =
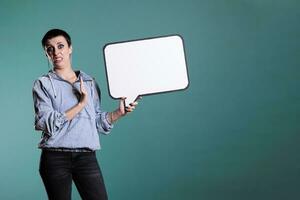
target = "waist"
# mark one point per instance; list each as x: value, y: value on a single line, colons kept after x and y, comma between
x: 64, y: 149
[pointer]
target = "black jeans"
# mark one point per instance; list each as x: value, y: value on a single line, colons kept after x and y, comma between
x: 58, y: 169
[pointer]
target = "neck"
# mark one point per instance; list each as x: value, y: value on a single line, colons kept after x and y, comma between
x: 65, y: 72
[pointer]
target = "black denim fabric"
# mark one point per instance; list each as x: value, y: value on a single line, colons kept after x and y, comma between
x: 58, y: 169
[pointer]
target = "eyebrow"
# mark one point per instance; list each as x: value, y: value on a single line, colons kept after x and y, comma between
x: 48, y: 44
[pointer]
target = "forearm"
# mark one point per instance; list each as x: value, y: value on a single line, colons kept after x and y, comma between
x: 112, y: 117
x: 72, y: 112
x: 121, y: 111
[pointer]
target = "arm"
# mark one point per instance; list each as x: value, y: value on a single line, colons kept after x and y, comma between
x: 101, y: 119
x: 47, y: 119
x: 121, y: 111
x: 105, y: 120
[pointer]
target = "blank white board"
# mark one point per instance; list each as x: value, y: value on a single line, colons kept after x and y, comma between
x: 146, y: 66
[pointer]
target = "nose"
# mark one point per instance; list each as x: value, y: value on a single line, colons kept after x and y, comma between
x: 56, y: 51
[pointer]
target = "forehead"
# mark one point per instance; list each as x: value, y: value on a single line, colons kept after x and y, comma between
x: 56, y: 40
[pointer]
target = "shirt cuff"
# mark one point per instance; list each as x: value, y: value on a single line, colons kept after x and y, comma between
x: 105, y: 123
x: 61, y: 119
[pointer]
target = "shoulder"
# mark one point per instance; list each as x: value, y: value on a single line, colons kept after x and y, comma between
x: 89, y: 79
x: 85, y: 76
x: 91, y: 82
x: 41, y: 81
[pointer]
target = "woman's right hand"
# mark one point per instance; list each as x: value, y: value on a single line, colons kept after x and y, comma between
x: 84, y: 95
x: 72, y: 112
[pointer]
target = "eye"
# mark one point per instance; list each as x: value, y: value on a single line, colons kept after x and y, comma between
x: 60, y: 46
x: 49, y: 50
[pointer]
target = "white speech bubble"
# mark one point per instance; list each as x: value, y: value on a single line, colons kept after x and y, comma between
x: 147, y: 66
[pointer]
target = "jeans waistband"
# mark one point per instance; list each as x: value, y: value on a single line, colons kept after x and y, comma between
x: 63, y: 149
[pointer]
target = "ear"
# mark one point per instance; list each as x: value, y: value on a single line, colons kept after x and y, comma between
x: 70, y: 49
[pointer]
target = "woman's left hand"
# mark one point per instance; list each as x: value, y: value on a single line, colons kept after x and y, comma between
x: 122, y: 110
x: 126, y: 109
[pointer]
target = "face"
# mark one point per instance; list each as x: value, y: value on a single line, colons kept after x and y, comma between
x: 58, y: 51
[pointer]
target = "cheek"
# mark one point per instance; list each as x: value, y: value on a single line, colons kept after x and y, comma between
x: 66, y: 51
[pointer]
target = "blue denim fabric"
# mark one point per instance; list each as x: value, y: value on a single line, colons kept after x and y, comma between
x: 52, y: 97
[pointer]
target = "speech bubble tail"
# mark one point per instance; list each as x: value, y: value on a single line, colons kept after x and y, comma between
x: 129, y: 100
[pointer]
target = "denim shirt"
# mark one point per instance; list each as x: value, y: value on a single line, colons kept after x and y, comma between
x: 52, y: 97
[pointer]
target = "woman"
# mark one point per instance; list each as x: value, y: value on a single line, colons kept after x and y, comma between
x: 68, y: 112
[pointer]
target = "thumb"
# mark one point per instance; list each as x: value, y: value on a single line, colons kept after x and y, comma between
x: 122, y: 104
x: 81, y: 84
x: 122, y: 101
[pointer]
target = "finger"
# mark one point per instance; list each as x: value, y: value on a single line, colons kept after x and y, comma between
x: 129, y: 109
x: 132, y: 107
x: 81, y: 83
x: 134, y: 103
x: 122, y: 101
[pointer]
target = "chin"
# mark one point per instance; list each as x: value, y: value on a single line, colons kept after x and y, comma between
x: 58, y: 66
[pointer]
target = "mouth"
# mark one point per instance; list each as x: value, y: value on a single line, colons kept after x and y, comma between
x: 57, y: 59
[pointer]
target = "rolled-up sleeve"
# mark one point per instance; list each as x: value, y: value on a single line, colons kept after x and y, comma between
x: 47, y: 119
x: 102, y: 124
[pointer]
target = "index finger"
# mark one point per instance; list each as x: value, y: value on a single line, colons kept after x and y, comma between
x: 133, y: 103
x: 81, y: 82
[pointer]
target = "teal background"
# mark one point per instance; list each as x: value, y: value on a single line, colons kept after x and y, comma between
x: 232, y: 135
